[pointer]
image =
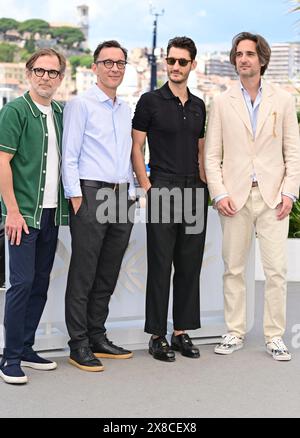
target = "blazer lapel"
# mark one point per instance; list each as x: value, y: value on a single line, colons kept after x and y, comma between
x: 239, y: 105
x: 264, y: 108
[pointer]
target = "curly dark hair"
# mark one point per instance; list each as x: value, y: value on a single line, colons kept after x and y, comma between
x: 183, y: 43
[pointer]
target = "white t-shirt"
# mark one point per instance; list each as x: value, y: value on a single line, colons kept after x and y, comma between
x: 52, y: 167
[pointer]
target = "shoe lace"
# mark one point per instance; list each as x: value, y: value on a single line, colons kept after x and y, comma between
x: 88, y: 353
x: 229, y: 339
x: 279, y: 344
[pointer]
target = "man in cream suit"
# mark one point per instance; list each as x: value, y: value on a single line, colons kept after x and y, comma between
x: 252, y: 164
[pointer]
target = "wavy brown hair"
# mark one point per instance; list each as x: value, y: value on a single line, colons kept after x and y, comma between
x: 262, y: 47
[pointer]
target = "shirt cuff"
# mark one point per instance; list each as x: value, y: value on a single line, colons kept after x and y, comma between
x: 218, y: 198
x: 72, y: 194
x: 290, y: 195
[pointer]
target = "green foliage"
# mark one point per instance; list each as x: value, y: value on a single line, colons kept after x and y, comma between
x: 8, y: 24
x: 294, y: 230
x: 80, y: 60
x: 75, y: 62
x: 68, y: 36
x: 295, y: 3
x: 30, y: 46
x: 298, y: 116
x: 23, y: 55
x: 86, y: 61
x: 34, y: 25
x: 7, y: 52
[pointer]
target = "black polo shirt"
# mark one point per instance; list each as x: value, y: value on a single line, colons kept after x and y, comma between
x: 173, y: 130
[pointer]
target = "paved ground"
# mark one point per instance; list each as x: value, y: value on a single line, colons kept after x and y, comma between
x: 248, y: 383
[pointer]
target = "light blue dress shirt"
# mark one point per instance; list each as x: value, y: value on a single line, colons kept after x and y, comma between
x: 252, y: 108
x: 96, y: 141
x: 253, y: 112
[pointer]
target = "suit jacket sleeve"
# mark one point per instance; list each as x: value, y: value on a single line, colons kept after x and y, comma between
x: 291, y: 149
x: 214, y: 151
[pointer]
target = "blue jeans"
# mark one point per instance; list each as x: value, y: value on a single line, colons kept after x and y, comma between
x: 30, y: 266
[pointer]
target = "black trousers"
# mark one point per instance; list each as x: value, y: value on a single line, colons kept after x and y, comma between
x: 167, y: 244
x: 97, y: 254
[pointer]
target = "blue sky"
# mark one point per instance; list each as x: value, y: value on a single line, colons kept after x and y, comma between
x: 211, y: 23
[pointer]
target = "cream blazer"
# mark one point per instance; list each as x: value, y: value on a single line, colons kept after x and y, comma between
x: 231, y: 152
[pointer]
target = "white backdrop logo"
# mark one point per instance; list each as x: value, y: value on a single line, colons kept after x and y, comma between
x: 296, y: 337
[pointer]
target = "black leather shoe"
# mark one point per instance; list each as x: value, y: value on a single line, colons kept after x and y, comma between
x: 84, y: 359
x: 184, y: 344
x: 160, y: 349
x: 105, y: 348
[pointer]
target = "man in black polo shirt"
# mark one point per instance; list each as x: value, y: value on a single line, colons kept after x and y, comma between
x: 173, y: 120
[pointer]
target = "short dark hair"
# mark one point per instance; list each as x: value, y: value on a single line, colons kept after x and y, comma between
x: 107, y: 44
x: 262, y: 47
x: 183, y: 43
x: 47, y: 52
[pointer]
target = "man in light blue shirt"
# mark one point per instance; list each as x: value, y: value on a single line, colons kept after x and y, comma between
x: 96, y: 167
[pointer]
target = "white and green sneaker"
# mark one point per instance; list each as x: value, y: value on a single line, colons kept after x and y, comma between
x: 278, y: 349
x: 229, y: 344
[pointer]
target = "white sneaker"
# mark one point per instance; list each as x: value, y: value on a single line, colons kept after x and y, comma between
x: 277, y: 349
x: 229, y: 344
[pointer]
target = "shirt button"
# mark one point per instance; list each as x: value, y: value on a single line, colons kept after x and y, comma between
x: 40, y: 206
x: 43, y: 118
x: 46, y: 135
x: 184, y: 118
x: 37, y: 223
x: 45, y: 154
x: 44, y: 171
x: 42, y: 189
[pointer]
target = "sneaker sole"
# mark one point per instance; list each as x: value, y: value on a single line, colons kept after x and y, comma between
x: 113, y: 356
x: 14, y: 380
x: 226, y: 352
x: 39, y: 366
x: 278, y: 358
x: 85, y: 368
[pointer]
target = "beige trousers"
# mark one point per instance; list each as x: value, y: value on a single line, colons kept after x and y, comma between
x: 272, y: 237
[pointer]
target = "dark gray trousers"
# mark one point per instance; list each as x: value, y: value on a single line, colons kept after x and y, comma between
x: 97, y: 254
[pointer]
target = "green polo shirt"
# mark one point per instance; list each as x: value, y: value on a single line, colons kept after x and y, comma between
x: 24, y: 133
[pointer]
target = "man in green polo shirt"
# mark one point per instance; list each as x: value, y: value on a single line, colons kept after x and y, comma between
x: 33, y: 206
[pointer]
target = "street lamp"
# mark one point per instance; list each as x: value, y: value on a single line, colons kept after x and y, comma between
x: 152, y: 57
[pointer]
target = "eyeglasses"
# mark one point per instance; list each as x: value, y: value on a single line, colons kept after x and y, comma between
x: 39, y: 72
x: 181, y: 61
x: 109, y: 63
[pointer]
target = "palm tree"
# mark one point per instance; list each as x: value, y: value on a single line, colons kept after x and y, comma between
x: 295, y: 3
